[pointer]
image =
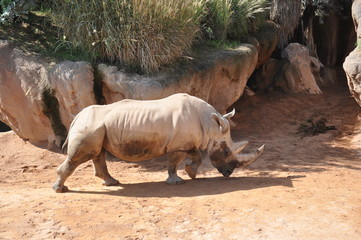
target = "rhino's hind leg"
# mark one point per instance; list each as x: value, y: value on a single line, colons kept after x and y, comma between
x: 75, y: 157
x: 64, y: 171
x: 192, y: 168
x: 101, y: 170
x: 173, y: 160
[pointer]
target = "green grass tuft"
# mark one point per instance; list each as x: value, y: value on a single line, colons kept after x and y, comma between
x: 248, y: 15
x: 358, y: 43
x: 218, y: 18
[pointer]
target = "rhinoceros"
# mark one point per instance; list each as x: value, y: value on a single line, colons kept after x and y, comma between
x: 178, y: 126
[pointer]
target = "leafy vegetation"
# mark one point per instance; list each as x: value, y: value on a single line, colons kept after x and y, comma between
x: 358, y: 43
x: 217, y: 18
x: 322, y: 7
x: 4, y: 4
x: 142, y: 35
x: 37, y: 34
x: 248, y: 15
x: 15, y: 9
x: 234, y: 19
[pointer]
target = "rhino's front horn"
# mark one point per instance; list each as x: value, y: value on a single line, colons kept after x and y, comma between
x: 246, y: 159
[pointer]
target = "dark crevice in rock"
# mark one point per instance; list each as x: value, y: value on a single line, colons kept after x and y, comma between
x: 4, y: 127
x: 51, y: 110
x: 98, y: 85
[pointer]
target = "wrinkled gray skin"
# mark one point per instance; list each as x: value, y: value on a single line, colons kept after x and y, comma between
x: 178, y: 126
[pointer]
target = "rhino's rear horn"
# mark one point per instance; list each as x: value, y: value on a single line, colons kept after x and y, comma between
x: 246, y: 159
x: 240, y: 146
x: 229, y: 115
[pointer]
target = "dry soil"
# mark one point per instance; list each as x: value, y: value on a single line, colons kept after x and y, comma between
x: 303, y: 187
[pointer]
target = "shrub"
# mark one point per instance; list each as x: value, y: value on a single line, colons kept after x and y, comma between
x: 12, y: 9
x: 234, y: 18
x: 4, y: 4
x: 217, y: 18
x: 142, y: 34
x: 247, y: 16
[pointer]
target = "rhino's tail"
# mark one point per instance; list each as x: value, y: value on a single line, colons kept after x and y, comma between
x: 64, y: 147
x: 65, y: 144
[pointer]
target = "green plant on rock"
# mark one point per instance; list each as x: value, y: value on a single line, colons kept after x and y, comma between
x: 234, y: 18
x: 247, y: 16
x: 322, y: 8
x: 15, y: 9
x: 143, y: 35
x: 358, y: 44
x: 218, y: 18
x: 4, y: 4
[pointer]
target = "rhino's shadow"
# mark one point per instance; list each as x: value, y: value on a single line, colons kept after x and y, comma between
x: 196, y: 187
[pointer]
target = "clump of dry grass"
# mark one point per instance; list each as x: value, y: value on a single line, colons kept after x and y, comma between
x: 141, y: 34
x: 145, y: 35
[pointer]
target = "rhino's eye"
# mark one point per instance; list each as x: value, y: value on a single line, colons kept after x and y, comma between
x: 225, y: 149
x: 227, y: 152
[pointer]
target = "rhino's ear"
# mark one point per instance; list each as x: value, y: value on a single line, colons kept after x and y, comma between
x: 222, y: 123
x: 229, y: 115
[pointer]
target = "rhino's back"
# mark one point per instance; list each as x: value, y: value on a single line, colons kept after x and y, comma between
x: 139, y: 130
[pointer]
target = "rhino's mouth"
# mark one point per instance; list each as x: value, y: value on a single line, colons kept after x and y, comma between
x: 225, y: 172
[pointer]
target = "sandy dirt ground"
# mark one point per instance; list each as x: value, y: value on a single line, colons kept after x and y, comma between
x: 303, y: 187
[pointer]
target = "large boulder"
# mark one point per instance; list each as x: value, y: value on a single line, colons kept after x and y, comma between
x: 24, y: 81
x: 356, y: 16
x: 39, y: 101
x: 219, y: 78
x: 296, y: 72
x: 267, y: 37
x: 352, y: 67
x: 352, y: 64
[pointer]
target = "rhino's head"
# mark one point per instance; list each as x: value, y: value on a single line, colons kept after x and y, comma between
x: 224, y: 154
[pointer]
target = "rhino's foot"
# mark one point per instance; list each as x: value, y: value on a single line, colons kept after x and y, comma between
x: 174, y: 180
x: 111, y: 182
x: 192, y: 173
x: 60, y: 189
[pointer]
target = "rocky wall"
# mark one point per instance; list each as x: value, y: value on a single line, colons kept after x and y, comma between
x: 352, y: 64
x: 39, y: 100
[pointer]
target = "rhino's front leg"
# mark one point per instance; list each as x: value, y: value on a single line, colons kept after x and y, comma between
x: 101, y: 170
x: 173, y: 160
x: 192, y: 168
